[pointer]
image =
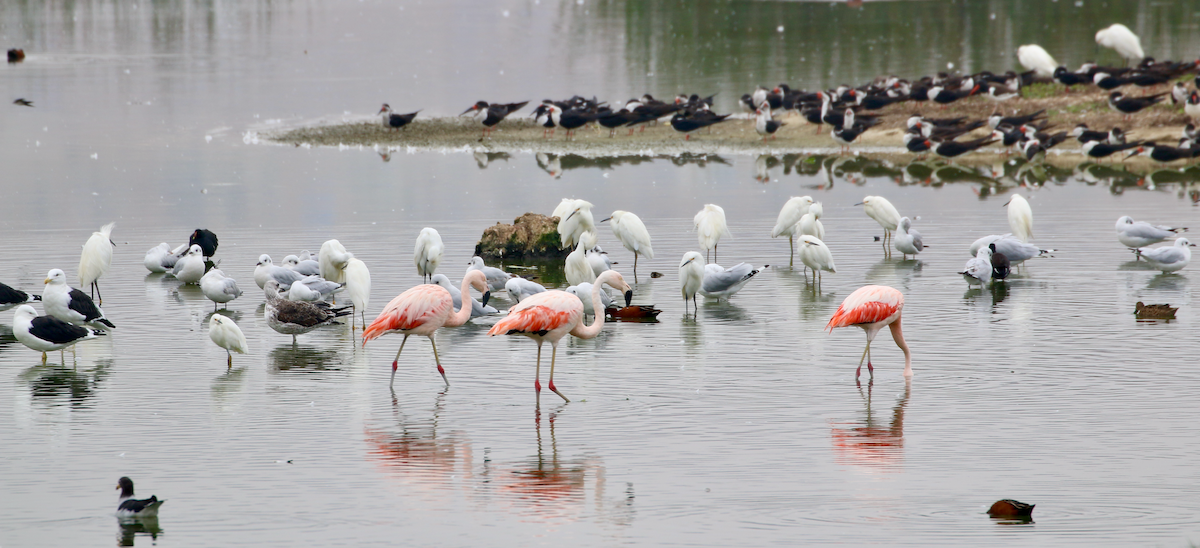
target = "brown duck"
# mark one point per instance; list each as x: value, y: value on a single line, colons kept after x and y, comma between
x: 1009, y: 508
x: 1154, y: 311
x: 635, y: 312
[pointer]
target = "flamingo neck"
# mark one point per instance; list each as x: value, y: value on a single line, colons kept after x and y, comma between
x: 899, y: 338
x: 590, y: 332
x: 464, y: 311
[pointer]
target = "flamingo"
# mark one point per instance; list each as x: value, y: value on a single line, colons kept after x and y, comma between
x: 421, y: 311
x: 1020, y: 217
x: 884, y: 213
x: 551, y: 315
x: 427, y: 254
x: 710, y: 227
x: 96, y: 259
x: 629, y: 228
x: 872, y: 307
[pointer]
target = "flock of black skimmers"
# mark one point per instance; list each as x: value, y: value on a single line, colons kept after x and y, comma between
x: 849, y: 111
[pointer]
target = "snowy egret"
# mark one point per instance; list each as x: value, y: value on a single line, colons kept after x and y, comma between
x: 71, y: 305
x: 789, y: 216
x: 1034, y: 57
x: 421, y: 310
x: 907, y: 240
x: 577, y: 268
x: 96, y: 259
x: 578, y: 220
x: 1169, y: 258
x: 710, y: 227
x: 333, y: 257
x: 1119, y: 38
x: 219, y: 288
x: 427, y: 254
x: 226, y: 334
x: 358, y: 285
x: 816, y: 255
x: 872, y: 307
x: 691, y: 276
x: 884, y: 213
x: 1020, y: 217
x: 810, y: 223
x: 551, y: 315
x: 629, y: 229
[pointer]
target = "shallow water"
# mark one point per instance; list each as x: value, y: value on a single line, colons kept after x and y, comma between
x: 740, y: 426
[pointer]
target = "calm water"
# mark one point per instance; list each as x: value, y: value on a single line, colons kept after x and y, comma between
x: 742, y: 426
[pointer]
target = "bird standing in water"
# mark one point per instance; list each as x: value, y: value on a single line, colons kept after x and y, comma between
x: 872, y: 308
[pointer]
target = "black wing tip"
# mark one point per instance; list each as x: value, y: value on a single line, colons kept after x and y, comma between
x: 106, y: 322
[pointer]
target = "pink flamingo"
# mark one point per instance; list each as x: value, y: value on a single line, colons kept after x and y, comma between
x: 421, y: 311
x: 872, y: 307
x: 550, y: 315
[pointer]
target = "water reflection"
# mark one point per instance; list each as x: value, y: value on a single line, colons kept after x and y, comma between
x: 52, y: 384
x: 868, y: 443
x: 1168, y: 282
x: 303, y: 358
x: 131, y: 528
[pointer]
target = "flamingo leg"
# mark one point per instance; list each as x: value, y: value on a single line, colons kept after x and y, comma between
x: 858, y: 372
x: 537, y: 372
x: 553, y: 354
x: 438, y: 361
x: 395, y: 362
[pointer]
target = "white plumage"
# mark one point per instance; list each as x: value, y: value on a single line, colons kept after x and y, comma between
x: 810, y: 223
x: 691, y: 276
x: 1169, y: 258
x: 154, y: 258
x: 908, y: 241
x: 520, y: 288
x: 496, y: 278
x: 1118, y: 37
x: 599, y: 260
x: 358, y: 286
x: 978, y: 270
x: 332, y: 258
x: 577, y: 221
x: 711, y: 226
x: 1020, y: 218
x: 226, y: 334
x: 96, y: 258
x: 577, y: 268
x: 1034, y: 57
x: 884, y: 213
x: 427, y: 253
x: 218, y: 287
x: 629, y: 229
x: 816, y: 255
x: 190, y: 268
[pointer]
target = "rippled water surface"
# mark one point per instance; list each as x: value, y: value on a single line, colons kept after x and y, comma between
x: 740, y: 426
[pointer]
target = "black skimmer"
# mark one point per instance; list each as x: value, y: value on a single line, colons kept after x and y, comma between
x: 1191, y: 107
x: 47, y: 333
x: 996, y: 119
x: 1115, y: 136
x: 945, y: 96
x: 915, y: 142
x: 849, y: 131
x: 764, y: 125
x: 877, y: 101
x: 23, y: 102
x: 298, y: 317
x: 1190, y: 133
x: 1179, y: 93
x: 1047, y: 140
x: 490, y: 115
x: 1000, y: 93
x: 615, y: 119
x: 1068, y: 78
x: 1083, y: 134
x: 570, y: 120
x: 205, y: 239
x: 1164, y: 154
x: 541, y: 116
x: 10, y: 297
x: 391, y: 121
x: 1141, y: 79
x: 951, y: 149
x: 128, y: 507
x: 943, y: 133
x: 1032, y: 149
x: 1130, y: 105
x: 764, y: 95
x: 938, y: 122
x: 685, y: 123
x: 747, y: 103
x: 1097, y: 149
x: 1008, y: 135
x: 71, y: 305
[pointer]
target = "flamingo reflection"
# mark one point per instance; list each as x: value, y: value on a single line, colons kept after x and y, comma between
x: 417, y: 453
x: 869, y: 443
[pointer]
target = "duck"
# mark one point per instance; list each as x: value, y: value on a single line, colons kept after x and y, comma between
x: 1009, y: 508
x: 128, y: 507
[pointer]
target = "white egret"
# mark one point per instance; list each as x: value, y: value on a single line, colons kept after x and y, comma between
x: 1034, y: 57
x: 816, y: 255
x: 358, y: 285
x: 578, y: 220
x: 884, y: 213
x: 577, y: 269
x: 226, y: 334
x: 96, y: 259
x: 1118, y: 37
x: 1020, y: 217
x: 427, y: 254
x: 629, y: 229
x: 332, y: 258
x: 691, y: 276
x: 789, y: 216
x: 710, y: 227
x: 810, y: 223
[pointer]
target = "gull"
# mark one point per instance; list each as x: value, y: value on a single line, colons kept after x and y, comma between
x: 190, y: 268
x: 496, y: 278
x: 520, y: 288
x: 719, y: 282
x: 156, y: 258
x: 266, y: 270
x: 1135, y: 234
x: 10, y: 297
x: 477, y: 309
x: 71, y: 305
x: 297, y: 318
x: 598, y: 259
x: 1016, y: 250
x: 219, y: 288
x: 47, y: 333
x: 324, y: 288
x: 584, y: 292
x: 307, y: 267
x: 978, y: 270
x: 907, y: 241
x: 1168, y: 258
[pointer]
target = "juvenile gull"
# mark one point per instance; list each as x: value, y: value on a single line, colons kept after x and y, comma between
x: 71, y: 305
x: 296, y: 318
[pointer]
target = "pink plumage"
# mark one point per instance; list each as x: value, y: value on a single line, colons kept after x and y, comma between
x: 872, y: 308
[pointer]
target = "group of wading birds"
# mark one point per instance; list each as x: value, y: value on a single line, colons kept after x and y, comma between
x: 845, y: 108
